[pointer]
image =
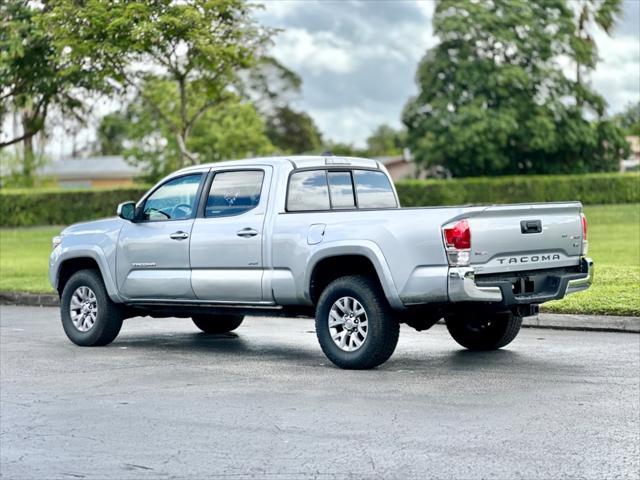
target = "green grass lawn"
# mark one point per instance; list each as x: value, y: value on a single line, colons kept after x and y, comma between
x: 24, y: 258
x: 614, y: 244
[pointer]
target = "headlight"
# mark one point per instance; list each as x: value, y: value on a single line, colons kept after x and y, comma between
x: 55, y: 241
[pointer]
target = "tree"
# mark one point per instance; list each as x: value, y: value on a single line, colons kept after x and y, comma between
x: 233, y: 130
x: 112, y: 133
x: 292, y: 131
x: 236, y: 131
x: 200, y: 46
x: 34, y: 76
x: 342, y: 149
x: 629, y: 119
x: 271, y: 86
x: 385, y: 141
x: 492, y: 97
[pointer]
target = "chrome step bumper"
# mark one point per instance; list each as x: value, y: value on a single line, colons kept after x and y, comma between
x: 465, y: 286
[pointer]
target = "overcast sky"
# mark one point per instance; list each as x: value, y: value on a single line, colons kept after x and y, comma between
x: 357, y: 58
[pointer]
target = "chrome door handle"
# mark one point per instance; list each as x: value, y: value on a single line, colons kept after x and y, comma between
x: 179, y: 235
x: 247, y: 232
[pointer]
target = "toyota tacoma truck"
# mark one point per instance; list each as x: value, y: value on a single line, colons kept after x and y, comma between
x: 320, y: 237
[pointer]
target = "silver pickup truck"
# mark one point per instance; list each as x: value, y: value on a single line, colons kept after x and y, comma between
x: 321, y: 237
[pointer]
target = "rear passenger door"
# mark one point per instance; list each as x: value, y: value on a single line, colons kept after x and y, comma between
x: 226, y: 239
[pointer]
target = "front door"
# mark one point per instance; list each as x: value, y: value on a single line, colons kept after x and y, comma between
x: 153, y: 252
x: 226, y: 240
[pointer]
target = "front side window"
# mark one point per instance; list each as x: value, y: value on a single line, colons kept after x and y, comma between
x: 233, y: 193
x: 373, y: 190
x: 308, y: 190
x: 174, y: 200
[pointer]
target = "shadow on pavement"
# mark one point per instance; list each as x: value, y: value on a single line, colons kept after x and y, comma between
x: 231, y: 345
x: 228, y: 344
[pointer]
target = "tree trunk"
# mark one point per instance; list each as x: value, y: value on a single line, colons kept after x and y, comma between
x: 581, y: 27
x: 182, y: 137
x: 28, y: 158
x: 186, y: 157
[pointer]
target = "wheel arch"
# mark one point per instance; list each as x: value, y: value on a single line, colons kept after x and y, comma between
x: 336, y: 261
x: 78, y: 260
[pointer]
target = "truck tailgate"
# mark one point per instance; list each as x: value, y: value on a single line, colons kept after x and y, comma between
x: 509, y: 238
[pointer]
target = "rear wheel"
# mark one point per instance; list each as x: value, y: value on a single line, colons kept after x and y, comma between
x: 354, y: 324
x: 484, y: 331
x: 89, y: 317
x: 217, y: 323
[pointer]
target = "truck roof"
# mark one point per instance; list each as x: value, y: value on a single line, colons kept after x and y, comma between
x: 297, y: 161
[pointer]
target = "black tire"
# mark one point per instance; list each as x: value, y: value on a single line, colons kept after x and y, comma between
x: 109, y: 316
x: 484, y: 331
x: 382, y: 331
x: 217, y: 323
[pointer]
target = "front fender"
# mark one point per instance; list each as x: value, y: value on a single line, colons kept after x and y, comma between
x: 365, y: 248
x: 64, y: 253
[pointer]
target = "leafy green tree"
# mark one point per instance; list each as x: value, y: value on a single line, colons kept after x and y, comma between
x: 492, y: 97
x: 269, y: 85
x: 386, y: 141
x: 293, y: 131
x: 34, y: 77
x: 200, y: 46
x: 629, y: 119
x: 342, y: 149
x: 112, y: 133
x: 233, y: 130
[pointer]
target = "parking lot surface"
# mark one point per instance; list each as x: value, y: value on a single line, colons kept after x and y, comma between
x: 165, y: 401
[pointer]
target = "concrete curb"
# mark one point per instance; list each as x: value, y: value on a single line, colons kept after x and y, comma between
x: 598, y: 323
x: 29, y: 299
x: 602, y: 323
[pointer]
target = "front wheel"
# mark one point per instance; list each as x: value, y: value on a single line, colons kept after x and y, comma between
x: 89, y: 317
x: 217, y: 323
x: 484, y: 331
x: 354, y: 324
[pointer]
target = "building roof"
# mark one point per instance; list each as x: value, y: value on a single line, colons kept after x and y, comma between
x: 113, y: 166
x: 392, y: 160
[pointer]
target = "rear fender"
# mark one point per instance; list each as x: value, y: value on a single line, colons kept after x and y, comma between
x: 364, y: 248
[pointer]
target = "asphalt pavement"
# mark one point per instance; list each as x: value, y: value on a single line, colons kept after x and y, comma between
x: 165, y: 401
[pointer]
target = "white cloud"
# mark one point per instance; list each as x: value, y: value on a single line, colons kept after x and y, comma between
x: 318, y: 52
x: 349, y: 123
x: 357, y: 59
x: 617, y: 76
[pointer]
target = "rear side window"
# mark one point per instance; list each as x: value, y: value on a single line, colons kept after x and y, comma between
x: 308, y: 190
x: 233, y: 193
x: 373, y: 190
x: 341, y: 189
x: 311, y: 190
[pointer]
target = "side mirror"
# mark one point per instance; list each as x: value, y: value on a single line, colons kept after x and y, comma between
x: 127, y: 211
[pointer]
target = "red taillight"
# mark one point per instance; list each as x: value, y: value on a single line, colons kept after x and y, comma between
x: 458, y: 235
x: 584, y: 226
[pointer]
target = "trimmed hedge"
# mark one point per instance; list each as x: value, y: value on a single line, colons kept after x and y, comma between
x: 62, y: 207
x: 19, y: 208
x: 591, y: 189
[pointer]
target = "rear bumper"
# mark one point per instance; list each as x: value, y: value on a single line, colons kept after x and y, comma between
x: 579, y: 284
x: 537, y: 286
